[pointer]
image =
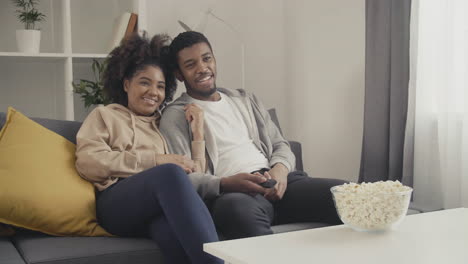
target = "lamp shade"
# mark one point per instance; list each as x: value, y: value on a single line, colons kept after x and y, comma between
x: 196, y: 22
x: 184, y: 26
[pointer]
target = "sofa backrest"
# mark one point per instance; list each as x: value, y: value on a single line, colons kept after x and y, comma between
x: 67, y: 129
x: 296, y: 147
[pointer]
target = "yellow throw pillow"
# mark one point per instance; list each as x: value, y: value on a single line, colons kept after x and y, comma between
x: 39, y: 186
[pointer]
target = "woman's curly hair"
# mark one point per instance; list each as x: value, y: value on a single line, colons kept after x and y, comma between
x: 134, y: 54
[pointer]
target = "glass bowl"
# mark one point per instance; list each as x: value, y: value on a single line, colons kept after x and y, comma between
x: 371, y: 211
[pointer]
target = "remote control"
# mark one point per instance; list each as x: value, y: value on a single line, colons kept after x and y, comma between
x: 270, y: 183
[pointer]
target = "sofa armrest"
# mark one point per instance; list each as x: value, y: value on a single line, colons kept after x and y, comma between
x: 296, y: 148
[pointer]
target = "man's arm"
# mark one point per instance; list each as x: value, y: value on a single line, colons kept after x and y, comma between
x: 175, y: 130
x: 282, y: 160
x: 195, y: 117
x: 281, y: 152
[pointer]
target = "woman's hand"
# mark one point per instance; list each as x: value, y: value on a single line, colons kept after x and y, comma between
x: 194, y: 115
x: 183, y: 161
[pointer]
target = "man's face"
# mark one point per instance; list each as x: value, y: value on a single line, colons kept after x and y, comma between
x: 197, y: 69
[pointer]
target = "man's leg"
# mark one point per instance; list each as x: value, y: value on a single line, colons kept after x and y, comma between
x: 239, y: 215
x: 307, y: 200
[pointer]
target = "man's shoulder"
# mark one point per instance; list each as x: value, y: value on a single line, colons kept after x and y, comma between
x: 176, y: 107
x: 173, y: 109
x: 241, y: 95
x: 173, y: 116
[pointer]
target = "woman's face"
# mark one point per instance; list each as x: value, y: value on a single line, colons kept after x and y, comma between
x: 145, y: 90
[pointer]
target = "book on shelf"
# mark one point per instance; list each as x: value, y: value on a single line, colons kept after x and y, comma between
x: 124, y: 26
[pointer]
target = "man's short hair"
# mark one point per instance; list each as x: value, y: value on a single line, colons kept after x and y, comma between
x: 182, y: 41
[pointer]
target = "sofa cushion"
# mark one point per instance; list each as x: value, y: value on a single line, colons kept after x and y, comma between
x: 8, y: 252
x: 36, y: 247
x: 39, y: 186
x: 40, y: 248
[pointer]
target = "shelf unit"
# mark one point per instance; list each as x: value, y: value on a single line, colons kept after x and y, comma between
x: 74, y: 33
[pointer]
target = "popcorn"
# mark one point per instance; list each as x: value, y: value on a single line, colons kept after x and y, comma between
x: 372, y: 206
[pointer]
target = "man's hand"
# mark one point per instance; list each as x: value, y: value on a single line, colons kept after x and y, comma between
x: 279, y: 172
x: 243, y: 182
x: 183, y: 161
x: 194, y: 115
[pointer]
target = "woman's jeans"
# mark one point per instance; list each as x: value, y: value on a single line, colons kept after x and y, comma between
x: 162, y: 204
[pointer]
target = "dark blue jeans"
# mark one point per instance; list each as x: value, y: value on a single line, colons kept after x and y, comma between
x: 162, y: 204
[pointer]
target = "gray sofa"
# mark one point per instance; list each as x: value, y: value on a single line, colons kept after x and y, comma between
x: 34, y: 247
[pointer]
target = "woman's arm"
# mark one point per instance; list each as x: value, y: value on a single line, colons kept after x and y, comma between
x: 194, y: 115
x: 98, y: 161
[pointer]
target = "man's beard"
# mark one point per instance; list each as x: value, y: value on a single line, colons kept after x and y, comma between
x: 205, y: 94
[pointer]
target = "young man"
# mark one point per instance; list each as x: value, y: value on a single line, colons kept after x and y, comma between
x: 244, y: 148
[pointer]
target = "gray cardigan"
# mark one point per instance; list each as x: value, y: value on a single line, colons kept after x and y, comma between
x: 264, y: 133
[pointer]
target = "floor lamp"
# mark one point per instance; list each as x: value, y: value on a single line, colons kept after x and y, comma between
x: 200, y: 27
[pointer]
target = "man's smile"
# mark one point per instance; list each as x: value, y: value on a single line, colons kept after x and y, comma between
x: 205, y: 78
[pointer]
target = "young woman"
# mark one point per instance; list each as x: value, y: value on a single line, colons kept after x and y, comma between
x: 144, y: 190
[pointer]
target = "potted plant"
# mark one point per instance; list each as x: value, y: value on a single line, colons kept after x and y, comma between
x: 28, y: 39
x: 92, y: 91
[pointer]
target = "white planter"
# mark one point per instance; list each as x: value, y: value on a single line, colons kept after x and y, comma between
x: 28, y: 40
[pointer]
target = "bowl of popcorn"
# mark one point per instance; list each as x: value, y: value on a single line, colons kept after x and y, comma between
x: 374, y: 206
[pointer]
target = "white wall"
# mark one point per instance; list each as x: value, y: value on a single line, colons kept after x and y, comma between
x: 325, y: 44
x: 304, y: 57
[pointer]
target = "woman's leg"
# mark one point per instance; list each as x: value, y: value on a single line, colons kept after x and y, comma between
x: 161, y: 232
x: 133, y: 204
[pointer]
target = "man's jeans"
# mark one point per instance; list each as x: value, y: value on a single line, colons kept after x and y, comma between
x: 238, y: 215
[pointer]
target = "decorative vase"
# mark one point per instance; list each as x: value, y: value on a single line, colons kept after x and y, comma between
x: 28, y: 40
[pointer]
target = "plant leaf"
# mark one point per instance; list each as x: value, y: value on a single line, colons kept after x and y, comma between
x: 91, y: 92
x: 28, y: 14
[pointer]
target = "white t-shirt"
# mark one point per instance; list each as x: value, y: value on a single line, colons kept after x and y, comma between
x: 237, y: 152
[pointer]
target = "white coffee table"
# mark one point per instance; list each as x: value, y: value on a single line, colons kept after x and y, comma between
x: 437, y: 237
